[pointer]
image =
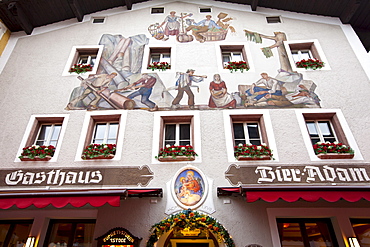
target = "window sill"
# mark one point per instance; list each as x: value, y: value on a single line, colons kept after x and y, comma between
x: 176, y: 158
x: 242, y: 158
x: 37, y: 158
x: 101, y: 157
x: 336, y: 156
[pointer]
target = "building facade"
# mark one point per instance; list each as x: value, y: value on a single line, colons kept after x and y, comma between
x: 180, y: 123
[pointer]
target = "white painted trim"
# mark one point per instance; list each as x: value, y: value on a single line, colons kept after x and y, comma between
x: 197, y: 143
x: 72, y: 54
x: 29, y: 129
x: 318, y: 48
x: 229, y: 136
x: 121, y: 131
x: 248, y: 53
x: 307, y: 140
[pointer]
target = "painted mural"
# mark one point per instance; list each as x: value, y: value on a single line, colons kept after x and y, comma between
x: 186, y: 29
x: 119, y: 83
x: 189, y: 187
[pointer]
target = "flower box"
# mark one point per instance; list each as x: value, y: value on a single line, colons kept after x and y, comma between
x: 99, y: 151
x: 176, y: 153
x: 176, y: 158
x: 310, y: 64
x: 263, y: 157
x: 252, y: 152
x: 37, y: 153
x: 336, y: 156
x: 80, y: 68
x: 159, y: 66
x: 235, y: 66
x: 101, y: 157
x: 36, y: 158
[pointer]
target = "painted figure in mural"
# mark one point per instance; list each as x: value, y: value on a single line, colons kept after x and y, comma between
x: 172, y: 24
x: 266, y: 91
x: 219, y: 96
x: 202, y: 27
x: 95, y: 84
x: 145, y: 85
x: 302, y: 95
x: 120, y: 53
x: 183, y: 84
x: 190, y: 191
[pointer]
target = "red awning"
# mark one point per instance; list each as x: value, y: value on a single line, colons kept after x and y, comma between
x: 59, y: 202
x: 59, y: 199
x: 293, y: 194
x: 306, y: 194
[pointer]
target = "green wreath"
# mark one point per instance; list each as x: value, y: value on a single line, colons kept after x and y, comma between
x: 188, y: 219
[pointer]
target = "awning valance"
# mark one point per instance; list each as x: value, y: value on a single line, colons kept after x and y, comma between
x: 59, y: 199
x: 292, y: 194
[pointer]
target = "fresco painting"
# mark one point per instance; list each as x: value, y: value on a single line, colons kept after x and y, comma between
x: 189, y: 187
x: 186, y: 29
x: 119, y: 83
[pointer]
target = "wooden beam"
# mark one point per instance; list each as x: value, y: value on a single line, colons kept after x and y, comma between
x: 128, y: 4
x: 77, y: 11
x: 254, y: 5
x: 350, y: 10
x: 18, y: 13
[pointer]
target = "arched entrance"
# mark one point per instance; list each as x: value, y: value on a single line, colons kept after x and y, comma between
x: 190, y: 229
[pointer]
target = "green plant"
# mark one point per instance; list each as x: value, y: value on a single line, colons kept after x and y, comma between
x: 310, y: 64
x: 37, y: 151
x: 95, y: 150
x: 331, y: 147
x: 80, y: 68
x: 174, y: 151
x: 235, y: 66
x: 159, y: 66
x: 191, y: 220
x: 250, y: 150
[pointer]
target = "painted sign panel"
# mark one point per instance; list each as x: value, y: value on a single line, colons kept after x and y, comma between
x: 76, y: 177
x: 309, y: 174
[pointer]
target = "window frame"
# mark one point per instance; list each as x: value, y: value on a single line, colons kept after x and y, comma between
x: 160, y: 48
x: 177, y: 121
x: 247, y: 55
x: 339, y: 124
x: 252, y: 118
x: 33, y: 128
x: 11, y: 230
x: 233, y: 49
x: 260, y: 116
x: 313, y: 46
x: 76, y: 53
x: 162, y: 118
x: 161, y: 51
x: 88, y: 128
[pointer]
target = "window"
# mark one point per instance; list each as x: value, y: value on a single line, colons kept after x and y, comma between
x: 232, y: 53
x: 310, y: 49
x: 361, y: 227
x: 324, y: 128
x: 248, y: 129
x: 205, y: 10
x: 98, y: 20
x: 14, y: 233
x: 273, y: 19
x: 162, y: 54
x: 45, y: 131
x: 306, y: 232
x: 177, y: 130
x: 70, y: 233
x: 103, y: 130
x: 157, y: 10
x: 48, y: 134
x: 84, y: 55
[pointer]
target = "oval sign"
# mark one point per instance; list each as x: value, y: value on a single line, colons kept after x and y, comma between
x: 189, y: 188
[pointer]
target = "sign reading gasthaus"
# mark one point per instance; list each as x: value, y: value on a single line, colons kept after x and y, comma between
x: 133, y: 175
